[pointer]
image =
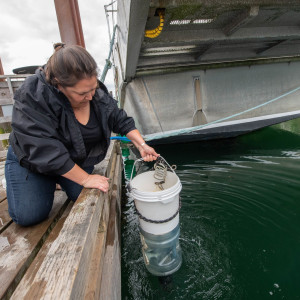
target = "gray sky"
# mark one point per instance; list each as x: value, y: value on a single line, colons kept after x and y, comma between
x: 29, y: 29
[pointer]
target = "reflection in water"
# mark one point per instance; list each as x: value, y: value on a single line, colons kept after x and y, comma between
x: 240, y: 221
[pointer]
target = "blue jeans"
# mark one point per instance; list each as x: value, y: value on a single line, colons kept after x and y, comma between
x: 30, y: 195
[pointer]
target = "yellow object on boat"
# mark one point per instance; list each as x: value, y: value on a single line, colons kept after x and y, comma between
x: 156, y: 32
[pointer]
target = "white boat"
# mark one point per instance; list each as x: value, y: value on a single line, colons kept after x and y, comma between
x: 197, y: 69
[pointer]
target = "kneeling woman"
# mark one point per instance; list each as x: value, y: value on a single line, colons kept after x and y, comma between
x: 62, y: 121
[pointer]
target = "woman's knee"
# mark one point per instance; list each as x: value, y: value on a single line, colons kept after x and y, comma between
x: 28, y: 211
x: 28, y: 220
x: 29, y: 195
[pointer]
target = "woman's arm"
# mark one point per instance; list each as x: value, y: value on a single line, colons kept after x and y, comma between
x: 147, y: 152
x: 93, y: 181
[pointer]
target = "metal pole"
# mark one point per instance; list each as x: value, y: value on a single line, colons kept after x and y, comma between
x: 69, y: 22
x: 108, y: 62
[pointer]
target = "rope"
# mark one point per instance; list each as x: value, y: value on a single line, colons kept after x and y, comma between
x: 159, y: 221
x: 189, y: 130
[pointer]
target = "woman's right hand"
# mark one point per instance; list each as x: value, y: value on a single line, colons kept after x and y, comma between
x: 96, y: 181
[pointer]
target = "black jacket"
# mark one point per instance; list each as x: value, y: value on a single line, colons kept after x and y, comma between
x: 46, y: 136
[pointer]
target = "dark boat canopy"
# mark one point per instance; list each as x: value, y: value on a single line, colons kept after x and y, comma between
x: 25, y: 70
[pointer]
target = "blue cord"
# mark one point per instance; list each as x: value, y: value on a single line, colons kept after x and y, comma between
x: 120, y: 138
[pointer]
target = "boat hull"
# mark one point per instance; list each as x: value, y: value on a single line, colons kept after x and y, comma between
x: 221, y: 130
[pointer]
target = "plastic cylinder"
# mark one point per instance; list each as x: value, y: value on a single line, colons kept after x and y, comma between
x: 162, y: 253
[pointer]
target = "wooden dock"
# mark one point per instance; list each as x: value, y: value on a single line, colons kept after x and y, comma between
x: 65, y: 256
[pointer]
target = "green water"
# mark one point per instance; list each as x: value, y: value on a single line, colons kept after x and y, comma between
x: 240, y: 221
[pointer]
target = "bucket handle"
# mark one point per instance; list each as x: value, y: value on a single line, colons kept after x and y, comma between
x: 141, y: 159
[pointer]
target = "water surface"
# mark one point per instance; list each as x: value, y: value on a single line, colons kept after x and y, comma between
x: 240, y: 221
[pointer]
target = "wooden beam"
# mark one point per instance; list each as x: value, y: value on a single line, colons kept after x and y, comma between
x: 11, y: 91
x: 98, y: 259
x: 4, y: 216
x: 2, y: 189
x: 111, y: 282
x: 3, y: 154
x: 96, y: 264
x: 15, y: 76
x: 6, y: 101
x: 241, y: 20
x: 4, y: 136
x: 5, y: 119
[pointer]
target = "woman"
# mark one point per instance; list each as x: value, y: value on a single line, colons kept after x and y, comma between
x: 62, y: 120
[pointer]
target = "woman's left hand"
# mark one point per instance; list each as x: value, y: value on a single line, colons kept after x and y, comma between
x: 148, y: 153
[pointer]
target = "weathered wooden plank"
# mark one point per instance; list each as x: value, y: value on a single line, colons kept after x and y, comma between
x: 5, y: 100
x: 2, y: 168
x: 5, y: 96
x: 12, y: 76
x: 93, y: 288
x: 34, y: 267
x: 3, y: 154
x: 5, y: 119
x: 5, y: 219
x: 111, y: 282
x: 23, y: 245
x: 62, y: 274
x: 9, y: 86
x: 2, y: 189
x: 104, y: 167
x: 2, y: 193
x: 4, y: 136
x: 15, y: 84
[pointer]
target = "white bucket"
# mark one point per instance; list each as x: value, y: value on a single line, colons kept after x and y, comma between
x: 156, y: 204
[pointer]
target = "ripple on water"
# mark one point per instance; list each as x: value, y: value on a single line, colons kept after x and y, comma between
x: 240, y: 229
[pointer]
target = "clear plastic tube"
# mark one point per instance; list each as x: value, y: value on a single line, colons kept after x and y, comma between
x: 162, y: 253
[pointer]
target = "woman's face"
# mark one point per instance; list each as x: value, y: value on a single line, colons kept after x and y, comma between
x: 81, y: 93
